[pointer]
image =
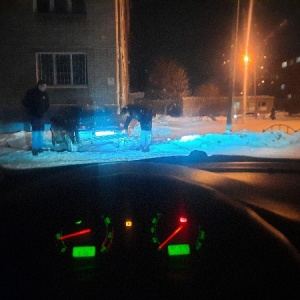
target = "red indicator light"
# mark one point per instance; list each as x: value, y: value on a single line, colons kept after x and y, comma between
x: 182, y: 220
x: 81, y: 232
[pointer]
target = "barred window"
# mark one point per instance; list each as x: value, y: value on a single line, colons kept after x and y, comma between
x: 62, y: 69
x: 59, y: 6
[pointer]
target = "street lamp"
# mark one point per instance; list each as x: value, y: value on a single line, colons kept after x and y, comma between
x: 247, y: 60
x: 248, y: 28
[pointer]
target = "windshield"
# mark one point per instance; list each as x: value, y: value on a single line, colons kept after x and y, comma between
x: 163, y: 79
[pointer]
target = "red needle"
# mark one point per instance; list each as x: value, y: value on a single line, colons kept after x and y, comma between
x: 63, y: 237
x: 170, y: 237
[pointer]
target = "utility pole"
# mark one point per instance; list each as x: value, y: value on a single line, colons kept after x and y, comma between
x: 232, y: 70
x: 117, y: 54
x: 254, y: 82
x: 250, y: 12
x: 122, y: 35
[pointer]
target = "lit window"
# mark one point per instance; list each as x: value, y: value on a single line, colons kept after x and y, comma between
x: 236, y: 105
x: 282, y: 87
x: 62, y: 69
x: 298, y: 59
x: 284, y: 64
x: 289, y: 96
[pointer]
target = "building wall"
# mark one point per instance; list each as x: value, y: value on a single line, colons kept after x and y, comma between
x: 287, y: 83
x: 23, y: 33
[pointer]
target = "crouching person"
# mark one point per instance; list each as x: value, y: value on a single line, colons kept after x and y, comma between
x: 144, y: 117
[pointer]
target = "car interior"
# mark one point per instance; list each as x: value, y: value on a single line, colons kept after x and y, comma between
x: 202, y: 227
x: 106, y: 109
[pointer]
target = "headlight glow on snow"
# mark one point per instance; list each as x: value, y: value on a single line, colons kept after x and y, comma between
x: 188, y: 138
x: 104, y: 133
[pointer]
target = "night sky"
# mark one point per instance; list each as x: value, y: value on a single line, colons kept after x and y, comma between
x: 196, y: 33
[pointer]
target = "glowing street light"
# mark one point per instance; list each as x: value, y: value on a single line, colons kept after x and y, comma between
x: 246, y: 59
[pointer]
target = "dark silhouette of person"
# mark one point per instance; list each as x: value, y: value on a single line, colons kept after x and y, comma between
x: 144, y: 116
x: 36, y: 102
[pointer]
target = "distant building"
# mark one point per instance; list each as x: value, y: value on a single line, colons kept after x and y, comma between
x: 79, y: 47
x: 286, y: 82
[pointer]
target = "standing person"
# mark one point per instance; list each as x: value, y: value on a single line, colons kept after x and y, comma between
x: 36, y: 102
x: 273, y: 111
x: 144, y: 116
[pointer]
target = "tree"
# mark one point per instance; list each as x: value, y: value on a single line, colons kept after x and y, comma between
x: 207, y: 90
x: 167, y: 80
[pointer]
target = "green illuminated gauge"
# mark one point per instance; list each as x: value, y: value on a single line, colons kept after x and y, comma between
x: 83, y: 239
x: 176, y: 235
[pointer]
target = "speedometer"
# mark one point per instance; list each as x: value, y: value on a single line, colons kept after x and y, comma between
x: 176, y: 235
x: 84, y: 239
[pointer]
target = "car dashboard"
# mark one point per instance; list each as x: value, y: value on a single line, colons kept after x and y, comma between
x: 152, y: 229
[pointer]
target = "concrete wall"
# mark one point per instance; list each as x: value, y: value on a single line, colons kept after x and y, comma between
x: 201, y: 106
x: 205, y: 106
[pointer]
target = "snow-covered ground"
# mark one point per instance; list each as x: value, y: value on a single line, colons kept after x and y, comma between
x: 171, y: 136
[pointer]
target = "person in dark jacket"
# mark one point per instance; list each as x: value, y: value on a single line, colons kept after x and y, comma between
x: 144, y: 116
x: 36, y: 102
x: 273, y: 112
